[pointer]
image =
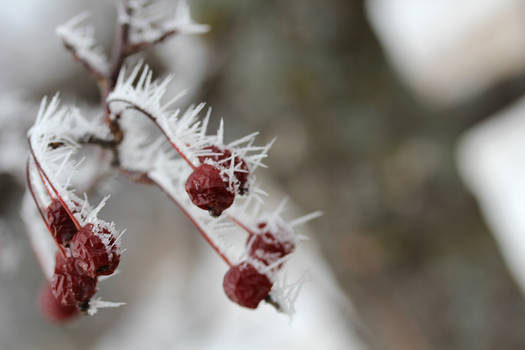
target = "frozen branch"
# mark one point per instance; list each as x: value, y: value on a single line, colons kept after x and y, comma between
x: 184, y: 148
x: 81, y: 43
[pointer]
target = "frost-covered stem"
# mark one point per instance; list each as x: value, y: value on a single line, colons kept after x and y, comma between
x: 143, y: 45
x: 106, y: 144
x: 240, y: 224
x: 120, y: 49
x: 43, y: 181
x: 117, y: 61
x: 59, y: 197
x: 97, y: 141
x: 39, y: 207
x: 154, y: 120
x: 99, y: 76
x: 195, y: 223
x: 145, y: 179
x: 89, y: 140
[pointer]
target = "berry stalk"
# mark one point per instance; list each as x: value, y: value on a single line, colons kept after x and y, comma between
x: 39, y: 207
x: 58, y: 196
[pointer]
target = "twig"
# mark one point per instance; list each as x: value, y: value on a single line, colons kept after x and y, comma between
x: 120, y: 49
x: 142, y: 177
x: 99, y: 77
x: 143, y: 45
x: 39, y: 207
x: 97, y: 141
x: 53, y: 187
x: 154, y: 120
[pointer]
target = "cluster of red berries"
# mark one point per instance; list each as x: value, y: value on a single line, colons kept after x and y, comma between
x: 209, y: 187
x: 244, y: 284
x: 85, y: 254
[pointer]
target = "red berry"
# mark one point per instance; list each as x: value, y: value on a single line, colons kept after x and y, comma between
x: 208, y: 190
x: 52, y: 309
x: 220, y: 155
x: 96, y: 253
x: 246, y: 286
x: 61, y: 224
x: 70, y: 285
x: 268, y: 247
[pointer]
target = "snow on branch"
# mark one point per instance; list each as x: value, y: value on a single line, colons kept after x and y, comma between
x: 173, y: 186
x: 185, y: 131
x: 81, y: 42
x: 200, y: 172
x: 72, y: 244
x: 227, y: 233
x: 54, y: 141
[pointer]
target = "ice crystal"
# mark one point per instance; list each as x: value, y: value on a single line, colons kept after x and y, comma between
x: 98, y: 303
x: 185, y: 131
x: 54, y: 143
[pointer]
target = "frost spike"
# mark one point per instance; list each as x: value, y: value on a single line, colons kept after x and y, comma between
x: 305, y: 218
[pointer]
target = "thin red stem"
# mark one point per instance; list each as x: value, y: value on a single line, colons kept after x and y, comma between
x: 39, y: 207
x: 154, y: 120
x: 194, y: 222
x: 99, y: 76
x: 240, y: 224
x: 183, y: 156
x: 268, y: 298
x: 120, y: 48
x: 44, y: 182
x: 59, y: 197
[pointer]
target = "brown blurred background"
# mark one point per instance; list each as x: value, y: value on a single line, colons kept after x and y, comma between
x: 405, y: 238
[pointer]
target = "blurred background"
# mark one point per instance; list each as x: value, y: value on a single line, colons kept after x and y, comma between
x: 402, y: 120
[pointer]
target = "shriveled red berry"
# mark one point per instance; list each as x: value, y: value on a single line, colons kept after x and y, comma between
x: 208, y: 190
x: 63, y: 228
x: 221, y: 154
x: 96, y: 253
x: 52, y: 309
x: 246, y: 286
x: 268, y: 247
x: 70, y: 285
